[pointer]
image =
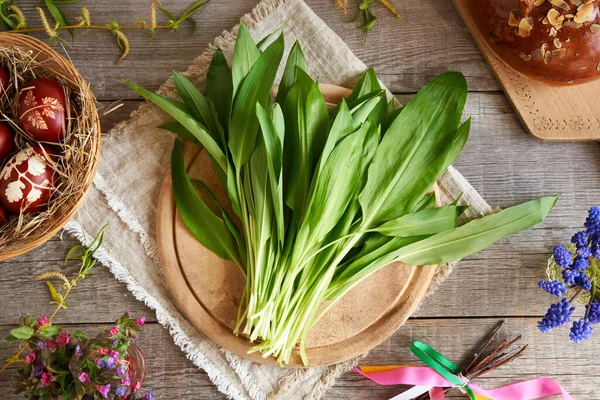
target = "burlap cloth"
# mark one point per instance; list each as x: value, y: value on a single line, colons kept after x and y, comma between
x: 135, y: 158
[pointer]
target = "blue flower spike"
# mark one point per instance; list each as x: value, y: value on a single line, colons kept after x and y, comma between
x: 581, y: 330
x: 557, y: 315
x: 555, y: 288
x: 592, y: 223
x: 593, y: 312
x: 581, y: 239
x: 562, y: 256
x: 580, y: 264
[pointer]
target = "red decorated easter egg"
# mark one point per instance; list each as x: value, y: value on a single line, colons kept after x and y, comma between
x: 27, y: 180
x: 2, y: 215
x: 6, y: 141
x: 4, y: 80
x: 42, y: 110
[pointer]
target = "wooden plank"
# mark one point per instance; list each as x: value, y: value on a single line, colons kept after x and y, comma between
x: 170, y: 375
x: 444, y: 43
x: 430, y: 39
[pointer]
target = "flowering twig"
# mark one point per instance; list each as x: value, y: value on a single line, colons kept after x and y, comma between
x: 88, y: 261
x: 15, y: 21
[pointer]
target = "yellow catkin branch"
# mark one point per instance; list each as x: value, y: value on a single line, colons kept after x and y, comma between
x: 51, y: 32
x: 342, y: 5
x: 124, y: 43
x: 21, y: 17
x: 390, y: 7
x: 85, y: 16
x: 153, y: 14
x: 52, y: 274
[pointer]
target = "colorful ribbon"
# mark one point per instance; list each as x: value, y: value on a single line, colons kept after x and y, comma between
x: 442, y: 373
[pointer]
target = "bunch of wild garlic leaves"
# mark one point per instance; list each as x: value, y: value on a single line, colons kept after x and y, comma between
x: 325, y: 198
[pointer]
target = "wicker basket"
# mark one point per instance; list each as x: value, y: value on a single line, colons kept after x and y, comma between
x: 83, y: 149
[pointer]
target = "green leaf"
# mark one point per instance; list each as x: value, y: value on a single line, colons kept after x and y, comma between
x: 180, y: 131
x: 416, y: 149
x: 367, y: 84
x: 58, y: 16
x: 23, y: 332
x: 476, y: 235
x: 193, y: 126
x: 168, y: 13
x: 209, y: 229
x: 72, y: 251
x: 273, y: 140
x: 192, y: 9
x: 53, y: 293
x: 245, y: 54
x: 11, y: 338
x: 335, y: 187
x: 306, y: 120
x: 427, y: 222
x: 226, y: 218
x: 50, y: 331
x: 364, y: 110
x: 295, y: 60
x: 256, y: 88
x: 79, y: 335
x: 198, y: 105
x: 342, y: 126
x: 232, y: 190
x: 219, y: 87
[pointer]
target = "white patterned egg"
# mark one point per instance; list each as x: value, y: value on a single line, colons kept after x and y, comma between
x: 27, y: 180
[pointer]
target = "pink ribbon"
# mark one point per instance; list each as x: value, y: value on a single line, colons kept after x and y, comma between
x: 425, y: 379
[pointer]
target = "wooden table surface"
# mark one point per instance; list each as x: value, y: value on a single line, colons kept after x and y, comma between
x: 500, y: 160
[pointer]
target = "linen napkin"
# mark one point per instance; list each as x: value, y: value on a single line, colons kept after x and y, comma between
x: 135, y: 158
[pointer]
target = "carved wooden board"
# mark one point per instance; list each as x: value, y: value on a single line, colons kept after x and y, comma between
x: 207, y: 289
x: 568, y: 113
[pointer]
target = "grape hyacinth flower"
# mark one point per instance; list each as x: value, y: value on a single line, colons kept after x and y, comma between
x: 579, y: 263
x: 555, y: 288
x: 557, y: 315
x: 581, y: 330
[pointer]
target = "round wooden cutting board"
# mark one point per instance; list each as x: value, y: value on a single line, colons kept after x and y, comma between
x: 208, y: 289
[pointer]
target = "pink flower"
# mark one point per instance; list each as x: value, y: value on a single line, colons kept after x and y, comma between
x: 63, y: 339
x: 46, y: 378
x: 30, y: 358
x: 114, y: 354
x: 104, y: 390
x: 125, y: 381
x: 140, y: 321
x: 103, y: 351
x: 83, y: 377
x: 43, y: 321
x: 51, y: 344
x: 137, y: 386
x: 113, y: 331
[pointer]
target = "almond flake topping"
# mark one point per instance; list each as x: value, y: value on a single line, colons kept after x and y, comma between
x: 555, y: 18
x: 560, y: 4
x: 525, y: 27
x: 584, y: 12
